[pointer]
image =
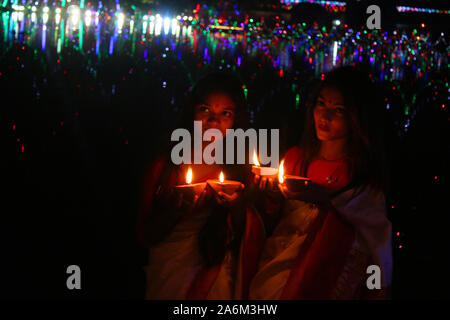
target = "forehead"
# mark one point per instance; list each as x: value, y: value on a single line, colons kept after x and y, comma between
x: 219, y: 99
x: 331, y: 94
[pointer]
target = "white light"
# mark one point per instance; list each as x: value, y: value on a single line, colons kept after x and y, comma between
x: 120, y: 20
x: 337, y: 22
x: 74, y: 13
x: 45, y: 18
x: 185, y: 18
x: 158, y: 25
x: 33, y: 8
x: 178, y: 17
x: 87, y: 18
x: 166, y: 25
x: 190, y: 18
x: 174, y: 25
x: 58, y: 10
x: 46, y: 9
x: 17, y: 7
x: 57, y: 18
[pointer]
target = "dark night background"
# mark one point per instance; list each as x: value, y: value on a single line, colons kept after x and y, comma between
x: 71, y: 196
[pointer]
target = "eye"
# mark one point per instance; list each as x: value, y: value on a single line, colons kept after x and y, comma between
x: 203, y: 108
x: 227, y: 114
x: 320, y: 103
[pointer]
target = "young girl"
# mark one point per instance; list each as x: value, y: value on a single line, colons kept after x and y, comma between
x: 322, y: 240
x: 194, y: 245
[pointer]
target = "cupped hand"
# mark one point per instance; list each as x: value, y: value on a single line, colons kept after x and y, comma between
x: 268, y: 185
x: 230, y: 200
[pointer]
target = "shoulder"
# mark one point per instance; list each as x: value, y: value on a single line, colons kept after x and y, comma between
x: 293, y: 153
x: 292, y: 158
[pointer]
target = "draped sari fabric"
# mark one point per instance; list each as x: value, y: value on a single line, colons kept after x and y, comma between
x: 322, y: 252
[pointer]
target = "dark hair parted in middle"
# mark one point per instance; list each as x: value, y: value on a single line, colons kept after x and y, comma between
x: 363, y: 111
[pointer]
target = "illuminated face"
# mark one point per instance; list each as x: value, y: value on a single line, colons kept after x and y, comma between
x: 217, y: 111
x: 330, y: 116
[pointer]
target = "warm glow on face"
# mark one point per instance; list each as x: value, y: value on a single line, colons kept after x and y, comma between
x: 255, y: 159
x: 221, y: 177
x: 189, y: 176
x: 281, y: 172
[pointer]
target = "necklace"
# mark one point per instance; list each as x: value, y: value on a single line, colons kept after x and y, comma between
x: 332, y: 179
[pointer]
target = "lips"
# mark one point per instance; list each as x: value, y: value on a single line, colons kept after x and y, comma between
x: 323, y: 127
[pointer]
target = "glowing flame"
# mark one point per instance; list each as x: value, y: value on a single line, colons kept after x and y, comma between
x: 221, y: 177
x: 189, y: 176
x: 255, y: 159
x: 281, y: 172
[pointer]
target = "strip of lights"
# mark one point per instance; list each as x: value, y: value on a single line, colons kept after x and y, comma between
x: 403, y: 9
x: 323, y: 3
x: 225, y: 27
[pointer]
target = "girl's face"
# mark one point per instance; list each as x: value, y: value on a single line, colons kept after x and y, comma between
x: 330, y: 115
x: 217, y: 111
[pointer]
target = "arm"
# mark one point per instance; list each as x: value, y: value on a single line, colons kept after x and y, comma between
x: 156, y: 217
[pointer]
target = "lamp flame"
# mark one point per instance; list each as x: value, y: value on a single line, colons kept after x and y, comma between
x: 189, y: 176
x: 281, y: 172
x: 255, y: 159
x: 221, y: 177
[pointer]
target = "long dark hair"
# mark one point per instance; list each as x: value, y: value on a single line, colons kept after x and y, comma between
x: 364, y: 115
x: 213, y: 238
x: 214, y: 82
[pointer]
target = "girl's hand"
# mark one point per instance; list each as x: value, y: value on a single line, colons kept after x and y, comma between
x: 312, y: 193
x: 181, y: 202
x: 232, y: 200
x: 268, y: 185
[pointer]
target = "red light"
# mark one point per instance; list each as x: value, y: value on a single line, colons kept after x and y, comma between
x: 423, y: 25
x: 400, y: 246
x: 23, y: 149
x: 14, y: 127
x: 398, y: 233
x: 281, y: 73
x: 392, y: 207
x: 435, y: 177
x: 443, y: 106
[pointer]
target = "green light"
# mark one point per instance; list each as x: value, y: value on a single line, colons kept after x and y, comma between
x: 251, y: 20
x: 63, y: 3
x: 297, y: 100
x: 80, y: 35
x: 304, y: 24
x: 245, y: 92
x: 81, y: 4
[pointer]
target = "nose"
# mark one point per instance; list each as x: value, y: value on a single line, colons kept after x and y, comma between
x: 213, y: 119
x: 327, y: 115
